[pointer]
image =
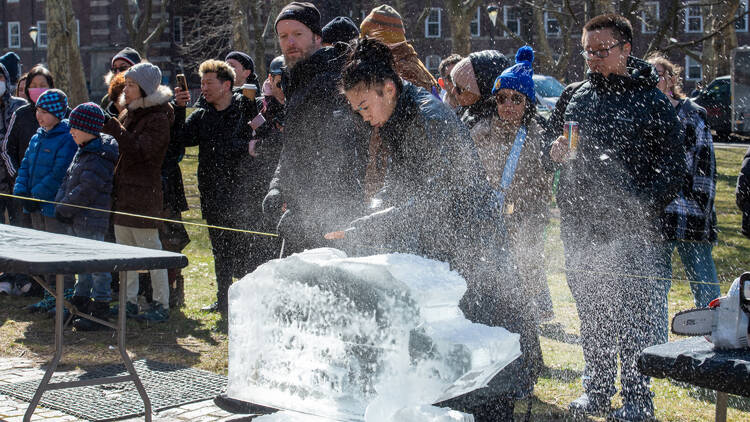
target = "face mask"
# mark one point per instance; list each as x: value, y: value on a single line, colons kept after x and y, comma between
x: 34, y: 93
x: 2, y: 89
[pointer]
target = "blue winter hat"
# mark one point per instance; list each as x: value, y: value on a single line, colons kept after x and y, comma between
x: 518, y: 77
x: 53, y: 101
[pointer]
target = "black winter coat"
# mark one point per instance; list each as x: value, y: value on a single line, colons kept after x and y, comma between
x: 743, y: 193
x: 229, y: 189
x: 323, y: 156
x: 487, y: 65
x: 89, y: 183
x: 437, y: 203
x: 631, y: 156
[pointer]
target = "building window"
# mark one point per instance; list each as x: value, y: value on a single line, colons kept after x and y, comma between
x: 551, y: 24
x: 512, y: 19
x: 12, y: 1
x: 14, y: 34
x: 740, y: 25
x: 41, y: 38
x: 693, y: 69
x: 120, y: 22
x: 476, y: 28
x: 650, y: 17
x: 432, y: 25
x: 432, y: 63
x: 693, y: 18
x: 78, y: 32
x: 177, y: 29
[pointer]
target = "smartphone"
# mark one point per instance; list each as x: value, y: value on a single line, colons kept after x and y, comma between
x: 182, y: 82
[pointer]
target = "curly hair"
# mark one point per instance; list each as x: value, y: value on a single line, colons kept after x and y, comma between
x: 672, y: 69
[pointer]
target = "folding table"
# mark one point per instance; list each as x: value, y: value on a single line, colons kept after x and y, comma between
x: 33, y: 252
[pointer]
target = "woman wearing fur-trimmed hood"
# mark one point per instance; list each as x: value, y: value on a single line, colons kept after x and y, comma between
x: 142, y: 131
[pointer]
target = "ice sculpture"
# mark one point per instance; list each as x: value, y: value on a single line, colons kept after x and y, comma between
x: 327, y: 335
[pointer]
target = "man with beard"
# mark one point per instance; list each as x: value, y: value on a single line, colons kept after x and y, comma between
x: 316, y: 187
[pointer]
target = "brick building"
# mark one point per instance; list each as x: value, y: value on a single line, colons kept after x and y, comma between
x: 102, y: 33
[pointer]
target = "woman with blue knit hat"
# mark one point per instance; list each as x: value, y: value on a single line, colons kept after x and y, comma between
x: 509, y: 146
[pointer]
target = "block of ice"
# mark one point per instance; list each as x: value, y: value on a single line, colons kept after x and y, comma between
x: 430, y: 414
x: 324, y: 334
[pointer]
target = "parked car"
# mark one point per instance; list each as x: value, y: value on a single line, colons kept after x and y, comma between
x: 548, y: 90
x: 716, y: 99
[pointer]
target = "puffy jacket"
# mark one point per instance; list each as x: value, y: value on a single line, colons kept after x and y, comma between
x: 44, y: 164
x: 743, y: 193
x: 8, y: 106
x: 89, y: 183
x: 631, y: 156
x: 487, y: 65
x: 409, y: 67
x: 322, y: 158
x: 226, y: 170
x: 437, y: 203
x: 142, y: 134
x: 691, y: 216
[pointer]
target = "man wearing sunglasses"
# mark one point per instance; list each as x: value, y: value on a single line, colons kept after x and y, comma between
x: 629, y: 164
x: 122, y: 61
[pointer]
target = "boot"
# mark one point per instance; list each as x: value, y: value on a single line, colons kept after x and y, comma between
x: 97, y: 309
x: 81, y: 303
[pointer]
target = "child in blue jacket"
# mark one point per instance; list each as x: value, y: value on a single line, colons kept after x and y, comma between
x: 88, y: 183
x: 42, y: 170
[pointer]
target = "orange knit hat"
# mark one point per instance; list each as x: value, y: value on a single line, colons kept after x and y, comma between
x: 383, y: 23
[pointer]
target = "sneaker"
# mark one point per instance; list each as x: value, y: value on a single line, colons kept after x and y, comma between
x: 634, y: 411
x: 157, y: 313
x: 131, y: 310
x: 44, y: 305
x: 67, y: 295
x: 214, y: 307
x: 589, y: 404
x: 5, y: 288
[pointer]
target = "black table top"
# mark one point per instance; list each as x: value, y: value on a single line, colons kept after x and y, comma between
x: 29, y: 251
x: 695, y: 361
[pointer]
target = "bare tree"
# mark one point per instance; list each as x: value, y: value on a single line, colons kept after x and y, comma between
x: 63, y: 54
x: 461, y: 13
x: 138, y: 18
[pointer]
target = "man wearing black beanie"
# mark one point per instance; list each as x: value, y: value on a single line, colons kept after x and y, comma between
x: 244, y: 68
x: 339, y: 29
x: 316, y: 187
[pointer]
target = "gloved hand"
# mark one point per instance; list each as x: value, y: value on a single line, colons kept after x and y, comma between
x: 32, y: 206
x: 63, y: 219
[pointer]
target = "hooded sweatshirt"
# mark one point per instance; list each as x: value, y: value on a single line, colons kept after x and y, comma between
x: 8, y: 106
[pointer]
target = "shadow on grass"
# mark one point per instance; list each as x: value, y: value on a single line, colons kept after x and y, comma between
x: 543, y: 411
x: 562, y: 375
x: 556, y: 331
x: 178, y: 340
x: 708, y: 395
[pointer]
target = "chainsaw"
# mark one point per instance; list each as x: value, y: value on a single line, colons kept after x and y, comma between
x: 725, y: 322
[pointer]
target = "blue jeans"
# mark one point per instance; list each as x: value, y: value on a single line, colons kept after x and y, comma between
x: 95, y: 285
x: 699, y: 266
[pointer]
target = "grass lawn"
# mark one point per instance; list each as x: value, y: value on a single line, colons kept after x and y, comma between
x: 198, y: 339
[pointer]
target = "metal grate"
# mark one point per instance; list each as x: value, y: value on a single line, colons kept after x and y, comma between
x: 167, y: 385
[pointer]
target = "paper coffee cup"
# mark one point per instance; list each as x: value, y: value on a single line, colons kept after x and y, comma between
x: 249, y: 90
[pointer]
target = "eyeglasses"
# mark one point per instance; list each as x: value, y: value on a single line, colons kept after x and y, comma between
x: 602, y: 53
x: 119, y: 69
x: 514, y: 98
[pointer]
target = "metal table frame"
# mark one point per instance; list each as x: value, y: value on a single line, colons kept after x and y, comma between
x: 110, y: 258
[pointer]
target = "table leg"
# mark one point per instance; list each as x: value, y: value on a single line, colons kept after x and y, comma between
x: 121, y: 324
x: 58, y: 349
x: 721, y: 406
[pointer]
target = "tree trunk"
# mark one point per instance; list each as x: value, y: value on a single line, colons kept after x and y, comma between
x: 138, y: 28
x: 63, y: 54
x: 240, y: 25
x: 256, y: 15
x: 717, y: 49
x: 460, y: 14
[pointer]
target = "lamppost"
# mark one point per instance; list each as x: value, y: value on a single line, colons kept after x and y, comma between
x: 33, y: 34
x: 492, y: 11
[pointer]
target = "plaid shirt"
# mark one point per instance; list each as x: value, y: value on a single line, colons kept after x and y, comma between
x: 692, y: 216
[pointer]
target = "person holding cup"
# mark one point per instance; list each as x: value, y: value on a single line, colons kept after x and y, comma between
x: 630, y: 164
x: 509, y: 144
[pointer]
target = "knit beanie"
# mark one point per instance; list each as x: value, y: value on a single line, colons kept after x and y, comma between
x: 384, y: 23
x: 146, y: 75
x: 340, y: 28
x: 303, y: 12
x: 129, y: 55
x: 245, y: 60
x: 53, y: 101
x: 87, y: 117
x: 463, y: 76
x: 518, y: 77
x: 11, y: 60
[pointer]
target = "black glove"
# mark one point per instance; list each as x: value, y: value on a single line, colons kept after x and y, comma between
x: 63, y: 219
x: 32, y: 206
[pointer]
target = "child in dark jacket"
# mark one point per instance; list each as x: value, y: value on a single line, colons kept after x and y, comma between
x: 88, y: 183
x: 42, y: 169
